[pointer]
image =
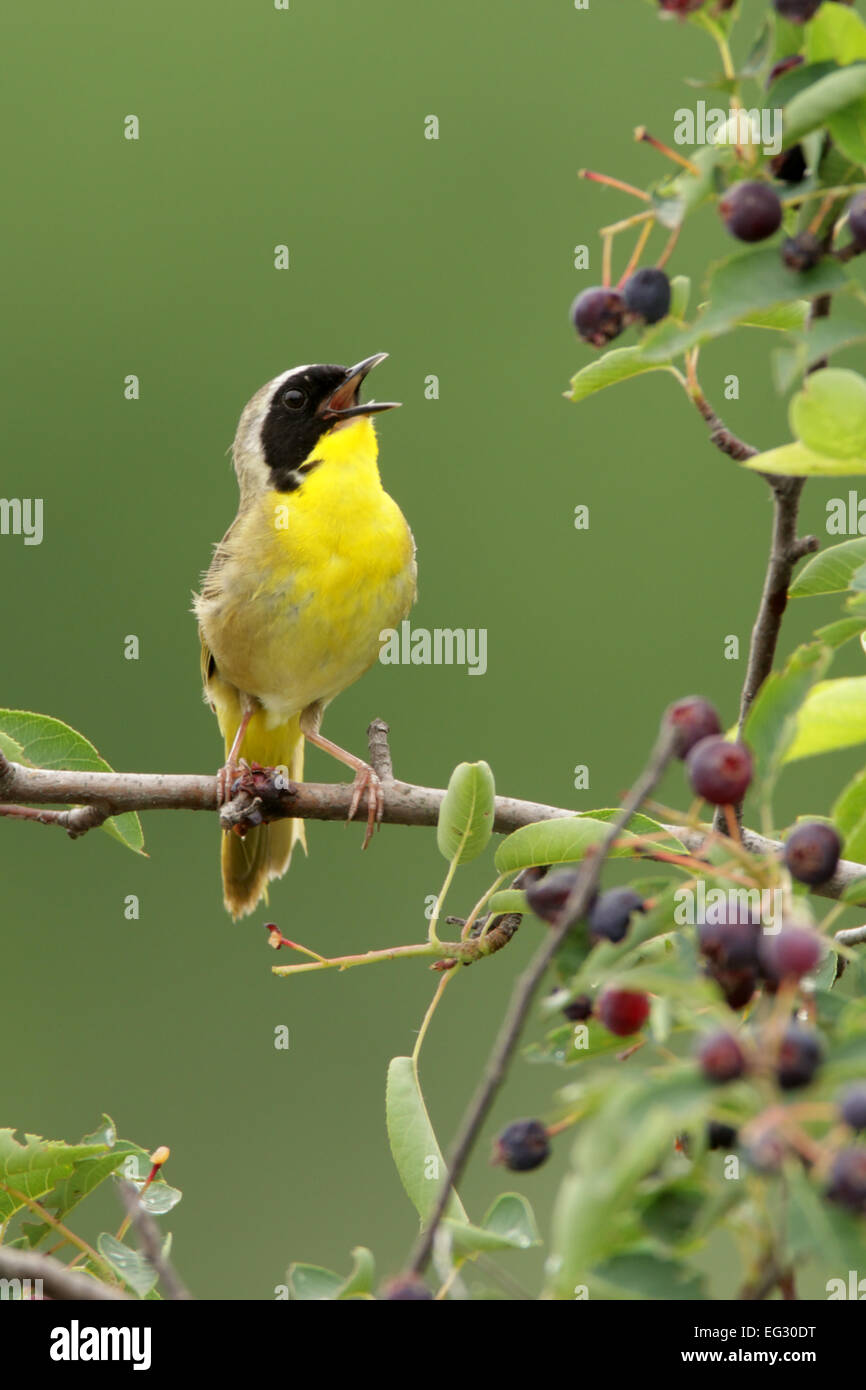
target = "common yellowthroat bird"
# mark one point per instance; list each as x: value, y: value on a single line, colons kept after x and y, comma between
x: 318, y: 560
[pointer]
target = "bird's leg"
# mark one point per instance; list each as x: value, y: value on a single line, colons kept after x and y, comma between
x: 366, y: 779
x: 226, y: 774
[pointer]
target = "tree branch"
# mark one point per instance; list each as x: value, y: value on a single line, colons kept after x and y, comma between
x: 405, y: 804
x: 57, y: 1281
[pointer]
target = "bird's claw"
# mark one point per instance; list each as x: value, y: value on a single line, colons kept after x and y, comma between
x: 367, y: 781
x: 225, y: 780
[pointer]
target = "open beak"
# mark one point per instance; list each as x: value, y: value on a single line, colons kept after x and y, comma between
x: 343, y: 404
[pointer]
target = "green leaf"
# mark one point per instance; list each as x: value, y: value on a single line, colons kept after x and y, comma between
x: 817, y: 1227
x: 828, y: 413
x: 796, y: 80
x: 507, y: 900
x: 826, y: 336
x: 509, y: 1225
x: 788, y: 317
x: 49, y: 743
x: 796, y: 461
x: 363, y: 1277
x: 848, y: 130
x: 830, y: 571
x: 855, y: 892
x: 36, y: 1166
x: 836, y: 634
x: 134, y: 1269
x: 160, y: 1198
x: 618, y: 365
x: 850, y: 805
x: 639, y: 824
x: 812, y: 107
x: 466, y: 814
x: 744, y: 285
x: 681, y: 288
x: 311, y: 1283
x: 833, y: 716
x: 771, y: 725
x: 561, y: 841
x: 835, y: 33
x: 645, y: 1274
x: 414, y: 1148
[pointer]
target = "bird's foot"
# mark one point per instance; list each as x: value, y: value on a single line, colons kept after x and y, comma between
x: 368, y: 782
x: 225, y: 780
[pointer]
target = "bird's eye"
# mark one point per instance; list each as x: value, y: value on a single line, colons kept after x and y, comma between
x: 294, y: 399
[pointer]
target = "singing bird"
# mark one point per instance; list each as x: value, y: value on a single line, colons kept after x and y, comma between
x: 317, y: 562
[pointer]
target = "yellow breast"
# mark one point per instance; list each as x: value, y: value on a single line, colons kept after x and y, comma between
x: 310, y: 578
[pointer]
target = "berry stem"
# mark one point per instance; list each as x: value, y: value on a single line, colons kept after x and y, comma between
x: 636, y: 254
x: 611, y: 182
x: 669, y: 248
x: 422, y: 1031
x: 643, y: 137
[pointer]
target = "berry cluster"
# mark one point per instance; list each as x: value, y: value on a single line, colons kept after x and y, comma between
x: 600, y: 314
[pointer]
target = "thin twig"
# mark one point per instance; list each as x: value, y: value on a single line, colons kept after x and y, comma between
x: 150, y: 1240
x: 524, y: 993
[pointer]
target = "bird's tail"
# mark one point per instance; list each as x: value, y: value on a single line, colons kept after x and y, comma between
x: 249, y: 863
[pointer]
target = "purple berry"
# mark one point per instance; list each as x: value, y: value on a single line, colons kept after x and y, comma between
x: 857, y: 221
x: 799, y: 1057
x: 789, y: 165
x: 751, y: 211
x: 847, y: 1184
x: 547, y: 896
x: 720, y: 1136
x: 797, y: 11
x: 738, y: 986
x: 720, y: 771
x: 611, y: 913
x: 792, y: 60
x: 852, y: 1107
x: 790, y: 954
x: 731, y: 940
x: 579, y: 1009
x: 681, y: 7
x: 803, y: 251
x: 693, y: 719
x: 599, y: 315
x: 648, y: 294
x: 407, y: 1290
x: 721, y: 1058
x: 812, y: 852
x: 522, y: 1146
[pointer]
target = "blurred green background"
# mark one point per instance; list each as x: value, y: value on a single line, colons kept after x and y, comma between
x: 155, y: 257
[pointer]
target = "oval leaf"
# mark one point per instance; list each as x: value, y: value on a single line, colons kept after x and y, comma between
x: 796, y: 461
x: 47, y: 742
x: 413, y: 1144
x: 466, y: 814
x: 811, y: 108
x: 831, y: 571
x: 561, y: 841
x: 832, y: 716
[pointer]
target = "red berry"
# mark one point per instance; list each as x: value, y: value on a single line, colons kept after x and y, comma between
x: 693, y: 719
x: 623, y: 1011
x: 790, y: 954
x: 523, y: 1146
x: 852, y: 1107
x: 720, y: 771
x: 721, y: 1058
x: 799, y: 1057
x: 599, y: 315
x: 611, y: 913
x: 848, y: 1180
x: 857, y: 221
x: 751, y: 211
x: 812, y: 852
